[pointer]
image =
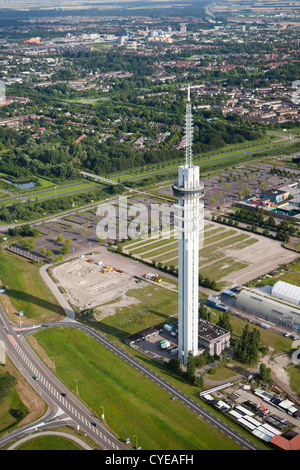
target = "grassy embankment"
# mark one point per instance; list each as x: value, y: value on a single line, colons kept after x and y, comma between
x: 26, y: 292
x: 133, y: 404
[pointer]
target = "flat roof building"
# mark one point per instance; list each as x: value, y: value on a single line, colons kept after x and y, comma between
x: 212, y: 338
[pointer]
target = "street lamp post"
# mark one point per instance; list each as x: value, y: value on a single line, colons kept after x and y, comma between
x: 76, y: 385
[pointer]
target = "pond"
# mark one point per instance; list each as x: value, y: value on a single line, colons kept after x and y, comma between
x: 29, y: 185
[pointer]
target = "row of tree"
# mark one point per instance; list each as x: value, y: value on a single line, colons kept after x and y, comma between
x: 37, y: 209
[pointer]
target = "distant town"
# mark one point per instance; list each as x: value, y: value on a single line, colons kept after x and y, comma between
x: 149, y: 226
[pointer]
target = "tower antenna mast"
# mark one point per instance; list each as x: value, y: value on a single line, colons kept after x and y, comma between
x: 188, y: 131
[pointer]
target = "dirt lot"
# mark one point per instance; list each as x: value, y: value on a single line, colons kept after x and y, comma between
x: 264, y: 256
x: 86, y: 286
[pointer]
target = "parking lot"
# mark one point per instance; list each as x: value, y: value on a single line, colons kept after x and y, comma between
x: 149, y: 343
x: 223, y: 187
x: 79, y: 228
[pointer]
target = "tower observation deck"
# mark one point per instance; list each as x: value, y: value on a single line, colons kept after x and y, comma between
x: 189, y: 217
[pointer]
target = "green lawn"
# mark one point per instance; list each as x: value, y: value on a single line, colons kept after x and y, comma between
x: 133, y: 404
x: 9, y: 403
x: 213, y: 261
x: 27, y: 290
x: 61, y: 191
x: 49, y: 443
x: 4, y: 195
x: 156, y: 306
x: 234, y: 153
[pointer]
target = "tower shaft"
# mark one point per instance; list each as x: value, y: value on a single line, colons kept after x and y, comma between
x: 188, y: 223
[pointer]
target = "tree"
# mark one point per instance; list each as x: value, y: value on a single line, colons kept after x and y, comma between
x: 246, y: 190
x: 31, y: 245
x: 65, y: 249
x: 266, y: 232
x: 191, y: 367
x: 264, y: 372
x: 175, y: 365
x: 199, y: 381
x: 204, y: 312
x: 248, y: 345
x: 224, y: 322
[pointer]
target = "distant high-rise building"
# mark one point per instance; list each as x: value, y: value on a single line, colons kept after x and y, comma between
x: 2, y: 93
x: 182, y: 28
x: 188, y: 223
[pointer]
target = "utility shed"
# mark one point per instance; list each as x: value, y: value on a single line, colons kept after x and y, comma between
x: 286, y: 291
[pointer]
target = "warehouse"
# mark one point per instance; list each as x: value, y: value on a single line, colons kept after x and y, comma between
x: 286, y: 291
x: 144, y: 335
x: 268, y: 309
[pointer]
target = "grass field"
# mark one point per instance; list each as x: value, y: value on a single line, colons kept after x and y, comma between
x: 42, y: 184
x: 60, y: 191
x: 4, y: 194
x: 133, y: 404
x: 27, y: 291
x: 155, y: 306
x: 214, y: 261
x: 292, y: 276
x: 10, y: 402
x: 49, y: 443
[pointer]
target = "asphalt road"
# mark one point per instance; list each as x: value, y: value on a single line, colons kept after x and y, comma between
x: 29, y: 196
x: 50, y: 388
x: 176, y: 393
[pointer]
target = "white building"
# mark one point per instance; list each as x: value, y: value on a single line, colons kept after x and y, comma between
x: 2, y: 94
x: 286, y: 291
x: 189, y: 223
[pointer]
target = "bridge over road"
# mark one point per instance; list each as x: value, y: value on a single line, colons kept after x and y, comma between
x: 100, y: 178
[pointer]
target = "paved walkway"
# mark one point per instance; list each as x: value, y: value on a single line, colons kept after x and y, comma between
x: 56, y: 292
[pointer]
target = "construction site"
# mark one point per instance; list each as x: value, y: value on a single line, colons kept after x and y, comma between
x: 89, y: 282
x: 102, y: 279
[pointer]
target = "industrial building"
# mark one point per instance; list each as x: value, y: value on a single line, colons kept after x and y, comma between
x: 212, y: 338
x: 282, y: 443
x: 267, y: 425
x: 215, y: 302
x: 286, y: 291
x: 265, y: 307
x: 274, y: 195
x: 283, y: 201
x: 142, y: 336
